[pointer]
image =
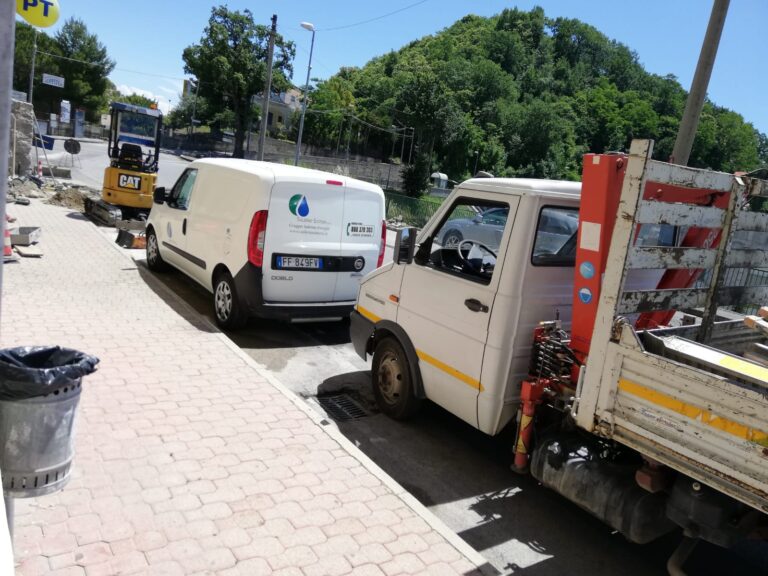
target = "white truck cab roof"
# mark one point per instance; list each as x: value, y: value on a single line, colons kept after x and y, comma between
x: 525, y: 186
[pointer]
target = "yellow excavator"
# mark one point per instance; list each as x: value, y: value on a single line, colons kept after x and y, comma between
x: 129, y: 180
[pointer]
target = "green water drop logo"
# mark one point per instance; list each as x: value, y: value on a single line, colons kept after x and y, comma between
x: 298, y: 205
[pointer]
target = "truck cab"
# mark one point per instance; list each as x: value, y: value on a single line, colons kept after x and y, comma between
x: 496, y: 259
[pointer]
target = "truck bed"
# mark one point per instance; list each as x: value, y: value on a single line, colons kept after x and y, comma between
x: 684, y: 396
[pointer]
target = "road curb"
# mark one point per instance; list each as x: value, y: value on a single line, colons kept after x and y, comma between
x: 472, y: 555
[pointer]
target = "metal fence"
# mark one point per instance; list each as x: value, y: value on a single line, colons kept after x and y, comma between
x: 411, y: 211
x: 747, y: 277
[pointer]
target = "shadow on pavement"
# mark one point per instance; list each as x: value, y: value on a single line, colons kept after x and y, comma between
x: 180, y: 306
x: 463, y: 476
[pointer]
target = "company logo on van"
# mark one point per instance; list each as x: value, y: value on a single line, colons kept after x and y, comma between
x: 298, y: 205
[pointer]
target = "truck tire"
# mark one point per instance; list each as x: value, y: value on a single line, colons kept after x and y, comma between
x: 226, y: 305
x: 155, y: 261
x: 392, y: 382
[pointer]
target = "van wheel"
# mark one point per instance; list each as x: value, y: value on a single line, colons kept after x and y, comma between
x: 155, y: 262
x: 226, y: 305
x: 392, y: 383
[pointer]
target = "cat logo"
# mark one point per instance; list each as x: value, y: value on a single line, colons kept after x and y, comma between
x: 128, y: 181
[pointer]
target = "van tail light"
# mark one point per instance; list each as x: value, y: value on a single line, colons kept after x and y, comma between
x: 256, y: 235
x: 383, y: 245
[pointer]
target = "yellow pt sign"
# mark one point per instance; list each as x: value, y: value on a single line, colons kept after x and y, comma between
x: 40, y: 13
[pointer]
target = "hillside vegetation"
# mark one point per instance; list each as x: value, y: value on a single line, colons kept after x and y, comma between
x: 530, y: 94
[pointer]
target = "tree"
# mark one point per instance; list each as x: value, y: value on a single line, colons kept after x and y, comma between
x: 85, y: 68
x: 230, y: 64
x: 181, y: 115
x: 46, y: 97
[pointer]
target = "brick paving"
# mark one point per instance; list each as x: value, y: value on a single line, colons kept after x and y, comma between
x: 188, y: 460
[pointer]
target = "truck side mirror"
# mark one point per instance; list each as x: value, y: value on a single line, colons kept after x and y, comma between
x: 405, y: 245
x: 159, y: 195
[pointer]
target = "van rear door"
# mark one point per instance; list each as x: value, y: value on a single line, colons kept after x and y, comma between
x: 361, y: 234
x: 302, y: 241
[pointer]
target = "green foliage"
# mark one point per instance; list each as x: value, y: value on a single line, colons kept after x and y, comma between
x: 181, y: 115
x: 530, y: 94
x: 416, y: 176
x: 85, y: 84
x: 72, y: 53
x: 138, y: 100
x: 230, y: 63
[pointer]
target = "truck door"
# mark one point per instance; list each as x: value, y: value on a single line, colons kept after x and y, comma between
x: 447, y: 297
x: 171, y: 228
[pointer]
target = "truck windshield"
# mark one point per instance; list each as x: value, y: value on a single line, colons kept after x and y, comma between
x: 137, y: 128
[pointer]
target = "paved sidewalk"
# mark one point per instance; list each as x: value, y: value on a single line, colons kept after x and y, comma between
x: 190, y: 461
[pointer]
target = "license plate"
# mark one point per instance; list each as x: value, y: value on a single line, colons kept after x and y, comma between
x: 299, y: 262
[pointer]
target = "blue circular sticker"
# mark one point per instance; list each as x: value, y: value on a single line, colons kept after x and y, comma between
x: 587, y: 270
x: 585, y: 295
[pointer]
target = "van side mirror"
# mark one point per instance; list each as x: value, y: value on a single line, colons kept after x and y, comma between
x: 405, y: 245
x: 159, y: 195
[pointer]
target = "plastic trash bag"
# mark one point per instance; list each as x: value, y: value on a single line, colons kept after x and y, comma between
x: 34, y: 371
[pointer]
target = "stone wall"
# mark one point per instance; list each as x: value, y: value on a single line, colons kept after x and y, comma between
x: 24, y: 121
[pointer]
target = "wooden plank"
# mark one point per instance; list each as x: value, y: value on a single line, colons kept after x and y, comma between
x: 653, y: 300
x: 677, y: 214
x: 755, y: 258
x: 657, y: 257
x: 705, y: 180
x: 752, y: 221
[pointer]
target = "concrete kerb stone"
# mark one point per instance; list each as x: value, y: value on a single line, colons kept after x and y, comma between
x: 330, y: 429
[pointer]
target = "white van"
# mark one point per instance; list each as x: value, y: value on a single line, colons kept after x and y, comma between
x: 268, y: 240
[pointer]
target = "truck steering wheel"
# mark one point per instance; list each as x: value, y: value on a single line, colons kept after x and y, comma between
x: 473, y: 243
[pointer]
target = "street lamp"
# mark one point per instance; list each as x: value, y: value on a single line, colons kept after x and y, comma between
x: 311, y: 28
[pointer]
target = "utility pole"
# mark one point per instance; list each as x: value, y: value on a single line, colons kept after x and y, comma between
x: 32, y: 69
x: 194, y: 110
x: 267, y: 89
x: 695, y: 101
x: 7, y: 27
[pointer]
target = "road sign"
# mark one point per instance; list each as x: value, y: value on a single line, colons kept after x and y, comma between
x: 40, y: 13
x: 66, y: 110
x: 52, y: 80
x: 21, y: 96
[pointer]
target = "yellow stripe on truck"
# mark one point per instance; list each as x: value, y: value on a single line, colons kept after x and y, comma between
x: 694, y: 412
x: 368, y: 314
x: 744, y: 367
x: 468, y: 380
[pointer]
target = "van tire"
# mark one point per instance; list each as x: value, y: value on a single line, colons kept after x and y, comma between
x: 226, y: 305
x: 155, y: 261
x: 392, y: 382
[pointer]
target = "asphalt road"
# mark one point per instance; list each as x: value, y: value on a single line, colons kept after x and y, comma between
x: 88, y: 166
x: 460, y: 474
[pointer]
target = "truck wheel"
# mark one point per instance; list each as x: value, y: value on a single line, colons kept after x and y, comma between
x: 155, y: 262
x: 392, y: 385
x: 226, y: 305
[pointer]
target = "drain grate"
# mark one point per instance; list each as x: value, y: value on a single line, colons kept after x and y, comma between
x: 342, y: 407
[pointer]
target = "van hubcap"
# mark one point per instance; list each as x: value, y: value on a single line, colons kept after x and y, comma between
x: 390, y: 378
x: 223, y: 300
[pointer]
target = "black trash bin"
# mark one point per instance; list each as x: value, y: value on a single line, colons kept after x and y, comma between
x: 39, y: 391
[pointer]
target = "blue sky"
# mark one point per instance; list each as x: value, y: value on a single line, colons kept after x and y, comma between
x: 146, y: 38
